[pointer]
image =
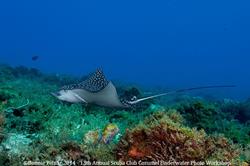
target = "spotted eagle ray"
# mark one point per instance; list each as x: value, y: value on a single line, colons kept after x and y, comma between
x: 96, y: 89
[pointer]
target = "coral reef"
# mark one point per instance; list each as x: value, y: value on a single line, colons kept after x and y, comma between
x: 110, y: 133
x: 200, y: 114
x: 17, y: 144
x: 217, y: 118
x: 161, y: 138
x: 35, y: 126
x: 238, y: 110
x: 92, y: 137
x: 73, y: 151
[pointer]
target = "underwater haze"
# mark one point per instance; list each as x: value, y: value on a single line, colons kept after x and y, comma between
x: 169, y: 44
x: 125, y: 82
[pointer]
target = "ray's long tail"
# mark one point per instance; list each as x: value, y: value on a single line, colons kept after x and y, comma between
x: 180, y: 91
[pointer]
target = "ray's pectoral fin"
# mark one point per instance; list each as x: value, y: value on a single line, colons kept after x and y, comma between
x: 95, y: 82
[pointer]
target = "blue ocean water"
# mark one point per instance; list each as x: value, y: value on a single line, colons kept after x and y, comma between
x: 155, y: 43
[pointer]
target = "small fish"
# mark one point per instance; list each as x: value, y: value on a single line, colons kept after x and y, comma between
x: 35, y: 58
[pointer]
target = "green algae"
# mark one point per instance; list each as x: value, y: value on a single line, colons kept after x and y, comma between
x: 48, y: 129
x: 214, y: 118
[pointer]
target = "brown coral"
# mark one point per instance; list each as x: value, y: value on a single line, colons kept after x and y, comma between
x: 73, y: 151
x: 169, y: 141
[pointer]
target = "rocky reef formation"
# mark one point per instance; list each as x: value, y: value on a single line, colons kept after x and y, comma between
x: 162, y: 138
x: 218, y: 117
x: 34, y: 126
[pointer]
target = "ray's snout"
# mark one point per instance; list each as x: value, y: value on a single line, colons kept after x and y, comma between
x: 67, y: 95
